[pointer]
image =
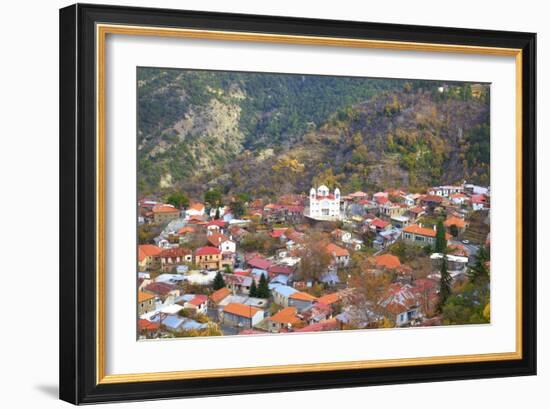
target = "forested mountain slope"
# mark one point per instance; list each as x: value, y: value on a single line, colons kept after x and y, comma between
x: 265, y: 134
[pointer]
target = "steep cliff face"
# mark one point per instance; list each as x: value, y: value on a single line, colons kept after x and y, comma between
x: 265, y: 134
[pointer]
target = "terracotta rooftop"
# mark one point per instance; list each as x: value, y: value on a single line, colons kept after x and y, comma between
x: 301, y: 296
x: 220, y: 294
x: 422, y: 231
x: 457, y: 221
x: 186, y: 229
x: 165, y: 209
x: 198, y: 300
x: 241, y: 310
x: 388, y: 261
x: 216, y: 239
x: 337, y: 251
x: 144, y: 296
x: 329, y: 299
x: 286, y: 316
x: 148, y: 250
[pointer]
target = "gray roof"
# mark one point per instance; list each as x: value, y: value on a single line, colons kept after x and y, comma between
x: 285, y: 290
x: 173, y: 321
x: 191, y: 324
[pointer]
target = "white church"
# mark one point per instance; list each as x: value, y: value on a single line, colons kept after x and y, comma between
x: 323, y: 205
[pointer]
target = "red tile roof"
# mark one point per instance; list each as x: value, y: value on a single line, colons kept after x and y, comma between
x: 326, y: 325
x: 379, y: 223
x: 148, y: 250
x: 276, y: 233
x: 337, y: 251
x: 279, y: 269
x: 165, y: 209
x: 422, y: 231
x: 145, y: 325
x: 259, y: 262
x: 388, y: 261
x: 207, y: 251
x: 219, y: 223
x: 198, y: 300
x: 216, y: 239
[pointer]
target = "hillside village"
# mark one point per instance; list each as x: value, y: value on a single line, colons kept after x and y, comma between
x: 323, y: 260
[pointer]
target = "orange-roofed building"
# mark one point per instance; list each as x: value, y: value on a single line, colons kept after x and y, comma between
x: 301, y: 300
x: 219, y: 295
x: 186, y: 230
x: 146, y: 302
x: 461, y: 224
x: 422, y: 236
x: 208, y: 258
x: 284, y: 319
x: 329, y: 299
x: 241, y: 315
x: 388, y: 261
x: 165, y: 213
x: 148, y: 326
x: 339, y: 254
x: 195, y: 209
x: 148, y: 256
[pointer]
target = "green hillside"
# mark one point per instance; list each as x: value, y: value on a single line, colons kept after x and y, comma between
x: 270, y: 133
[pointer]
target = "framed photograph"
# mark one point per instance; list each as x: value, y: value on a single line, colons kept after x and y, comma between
x: 258, y: 203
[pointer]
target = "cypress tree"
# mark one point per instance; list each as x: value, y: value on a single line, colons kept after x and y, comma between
x: 440, y: 240
x: 219, y: 282
x: 263, y: 288
x: 253, y: 292
x: 445, y: 282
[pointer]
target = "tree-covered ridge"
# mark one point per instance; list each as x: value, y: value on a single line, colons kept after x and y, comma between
x: 269, y: 133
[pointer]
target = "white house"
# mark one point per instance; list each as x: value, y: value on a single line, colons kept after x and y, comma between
x: 227, y: 246
x: 282, y: 293
x: 445, y: 191
x: 324, y: 205
x: 196, y: 209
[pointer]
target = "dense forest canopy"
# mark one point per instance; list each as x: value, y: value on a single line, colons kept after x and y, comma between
x: 264, y: 134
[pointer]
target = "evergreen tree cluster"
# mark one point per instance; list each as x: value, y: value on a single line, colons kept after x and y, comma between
x: 261, y: 290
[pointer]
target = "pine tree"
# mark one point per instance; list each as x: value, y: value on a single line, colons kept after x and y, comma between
x: 440, y: 239
x: 263, y: 288
x: 219, y: 282
x: 444, y: 283
x: 253, y: 292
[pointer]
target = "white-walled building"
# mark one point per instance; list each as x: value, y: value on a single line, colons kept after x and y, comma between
x: 324, y: 205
